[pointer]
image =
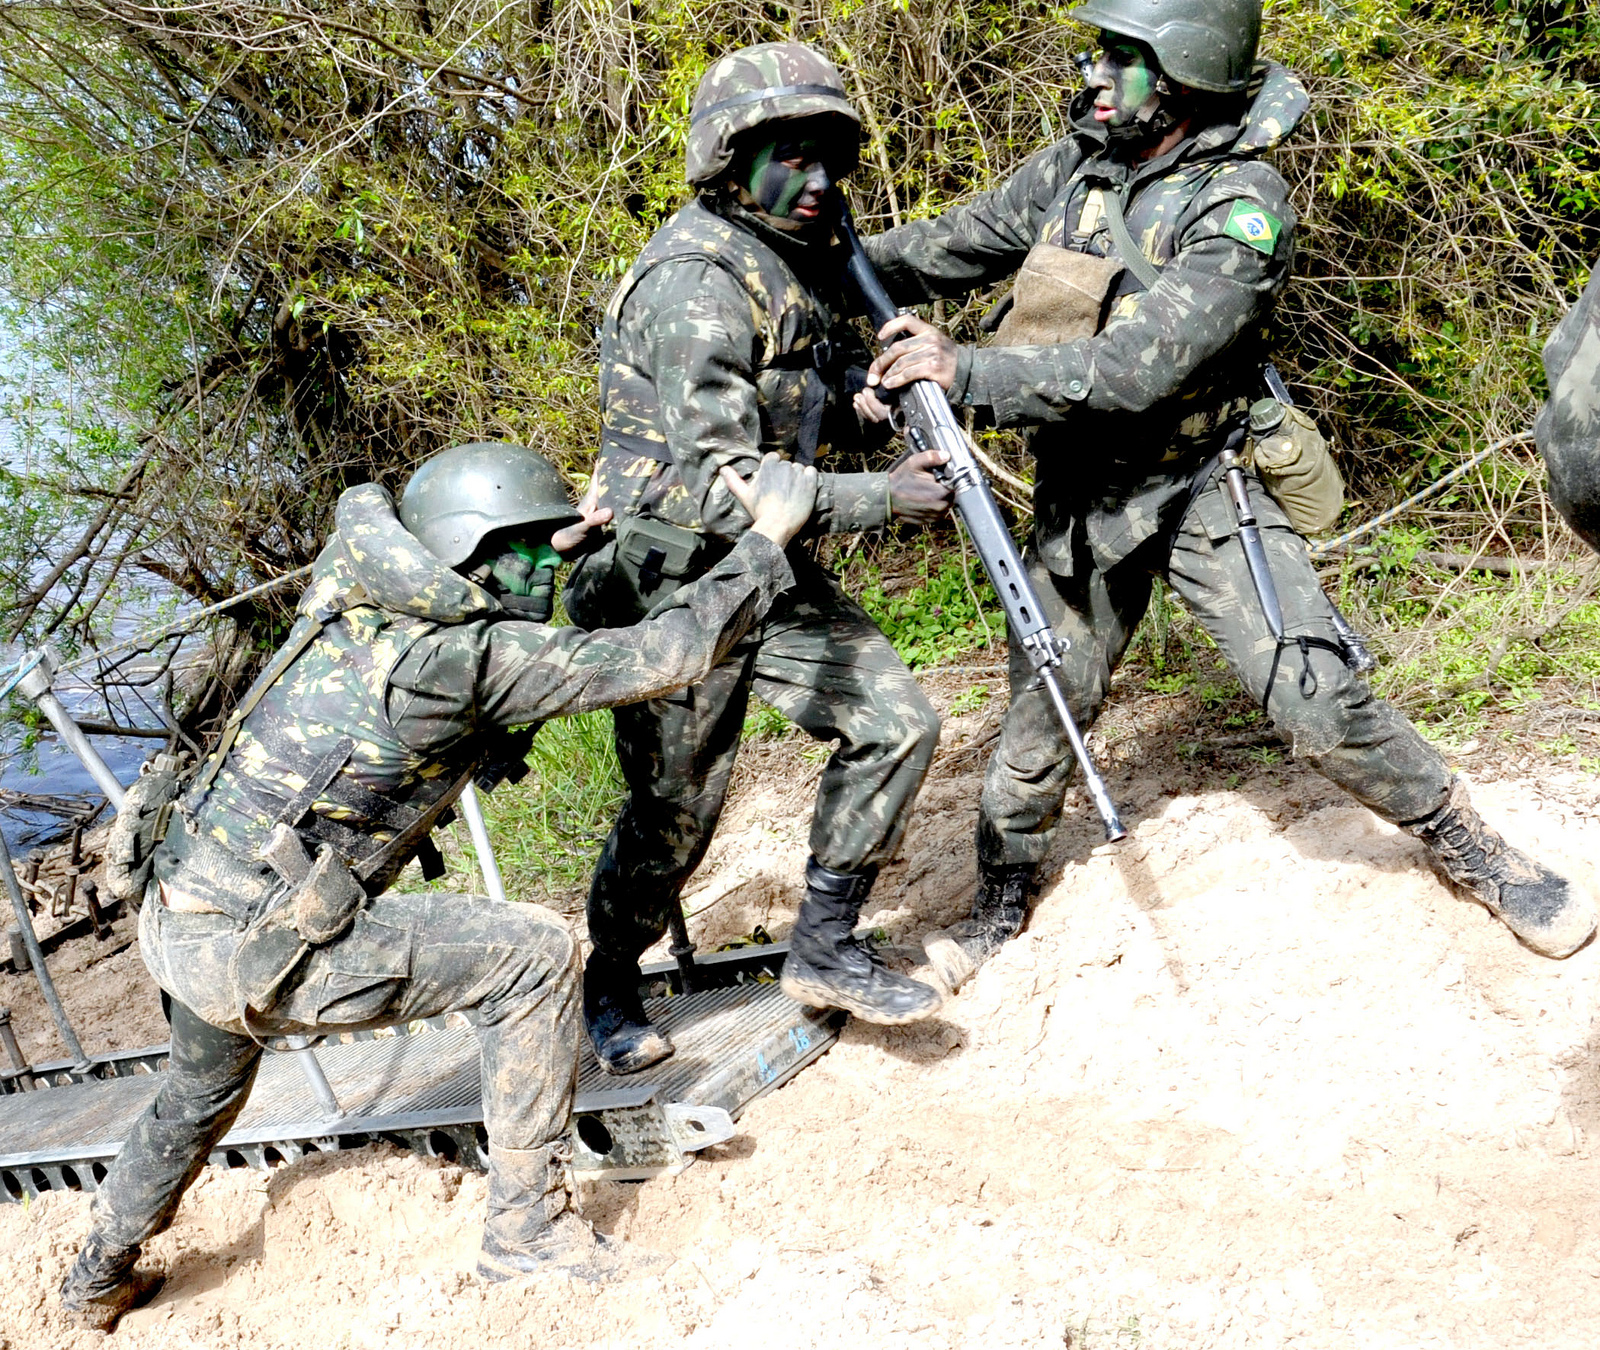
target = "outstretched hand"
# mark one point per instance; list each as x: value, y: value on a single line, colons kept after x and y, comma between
x: 571, y: 540
x: 779, y: 496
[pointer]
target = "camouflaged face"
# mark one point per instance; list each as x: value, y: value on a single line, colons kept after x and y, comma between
x: 724, y: 108
x: 707, y: 358
x: 1143, y: 398
x: 1206, y: 44
x: 393, y: 566
x: 1568, y: 430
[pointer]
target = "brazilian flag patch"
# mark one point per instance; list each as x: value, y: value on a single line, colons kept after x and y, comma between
x: 1252, y: 225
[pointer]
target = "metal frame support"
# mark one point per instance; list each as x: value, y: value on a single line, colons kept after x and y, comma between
x: 478, y: 828
x: 36, y: 685
x: 30, y: 939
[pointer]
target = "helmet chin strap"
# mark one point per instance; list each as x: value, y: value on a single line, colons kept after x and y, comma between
x: 1153, y: 123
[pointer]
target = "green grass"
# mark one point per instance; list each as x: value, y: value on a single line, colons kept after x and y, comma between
x: 547, y: 829
x: 947, y: 611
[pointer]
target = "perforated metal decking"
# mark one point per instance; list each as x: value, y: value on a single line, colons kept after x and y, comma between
x: 734, y: 1041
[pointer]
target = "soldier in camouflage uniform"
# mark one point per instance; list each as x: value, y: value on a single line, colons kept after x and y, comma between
x: 724, y: 340
x: 1166, y: 149
x: 1568, y: 430
x: 419, y: 642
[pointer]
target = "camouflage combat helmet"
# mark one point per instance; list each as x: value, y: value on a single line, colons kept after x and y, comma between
x: 467, y: 492
x: 1205, y: 44
x: 761, y: 84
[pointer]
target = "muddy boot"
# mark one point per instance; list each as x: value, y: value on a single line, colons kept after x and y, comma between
x: 827, y: 968
x: 532, y: 1228
x: 1540, y: 906
x: 998, y: 912
x: 624, y: 1039
x: 102, y: 1284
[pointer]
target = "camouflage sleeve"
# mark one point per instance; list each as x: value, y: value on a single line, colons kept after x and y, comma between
x: 512, y: 672
x: 1211, y: 290
x: 700, y: 333
x: 1568, y: 429
x: 979, y: 242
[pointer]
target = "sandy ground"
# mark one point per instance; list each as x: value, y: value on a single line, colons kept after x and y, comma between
x: 1253, y: 1079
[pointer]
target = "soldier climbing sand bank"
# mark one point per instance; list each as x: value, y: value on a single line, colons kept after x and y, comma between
x: 1163, y: 184
x: 725, y: 339
x: 421, y: 639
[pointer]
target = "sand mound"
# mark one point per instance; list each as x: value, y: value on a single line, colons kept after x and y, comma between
x: 1254, y: 1079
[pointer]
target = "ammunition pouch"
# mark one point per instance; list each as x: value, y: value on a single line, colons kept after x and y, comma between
x: 140, y: 825
x: 1291, y: 455
x: 1059, y: 294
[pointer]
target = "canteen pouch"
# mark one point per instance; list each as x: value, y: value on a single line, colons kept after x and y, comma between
x: 1295, y: 465
x: 654, y: 559
x: 139, y: 827
x: 1059, y: 294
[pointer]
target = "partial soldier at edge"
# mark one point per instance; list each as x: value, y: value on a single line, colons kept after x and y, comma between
x: 725, y: 339
x: 422, y: 638
x: 1568, y: 429
x: 1163, y: 179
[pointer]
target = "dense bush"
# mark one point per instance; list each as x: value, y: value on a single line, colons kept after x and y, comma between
x: 256, y: 252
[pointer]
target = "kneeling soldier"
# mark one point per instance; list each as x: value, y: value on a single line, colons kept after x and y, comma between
x: 418, y: 644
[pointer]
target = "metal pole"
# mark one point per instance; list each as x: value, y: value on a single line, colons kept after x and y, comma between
x: 36, y: 959
x: 477, y: 827
x: 321, y: 1088
x: 36, y: 685
x: 8, y: 1038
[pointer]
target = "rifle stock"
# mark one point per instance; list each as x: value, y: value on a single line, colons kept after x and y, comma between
x: 929, y: 424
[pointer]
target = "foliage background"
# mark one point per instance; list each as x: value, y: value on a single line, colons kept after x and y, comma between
x: 253, y: 252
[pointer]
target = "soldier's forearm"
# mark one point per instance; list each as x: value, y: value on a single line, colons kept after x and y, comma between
x: 847, y: 502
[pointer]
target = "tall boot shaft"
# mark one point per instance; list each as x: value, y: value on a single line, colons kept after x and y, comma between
x: 828, y: 968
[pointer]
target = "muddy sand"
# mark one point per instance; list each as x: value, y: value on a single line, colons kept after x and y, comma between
x: 1253, y: 1079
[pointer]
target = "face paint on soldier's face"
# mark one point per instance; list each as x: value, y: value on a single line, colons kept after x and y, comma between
x: 789, y: 181
x: 1126, y: 80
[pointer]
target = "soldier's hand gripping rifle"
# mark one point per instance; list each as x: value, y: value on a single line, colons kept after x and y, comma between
x: 925, y: 416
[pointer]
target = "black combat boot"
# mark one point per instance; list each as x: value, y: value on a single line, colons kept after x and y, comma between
x: 827, y: 968
x: 624, y: 1039
x: 999, y: 909
x: 532, y: 1227
x: 1540, y: 906
x: 102, y: 1284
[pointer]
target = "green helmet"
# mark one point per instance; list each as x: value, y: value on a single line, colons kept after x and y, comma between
x: 465, y: 493
x: 1205, y: 44
x: 759, y: 84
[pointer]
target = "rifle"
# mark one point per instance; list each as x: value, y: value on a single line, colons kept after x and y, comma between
x: 928, y: 422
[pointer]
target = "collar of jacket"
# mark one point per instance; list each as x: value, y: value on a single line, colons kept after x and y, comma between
x: 1276, y: 102
x: 391, y: 565
x: 799, y: 249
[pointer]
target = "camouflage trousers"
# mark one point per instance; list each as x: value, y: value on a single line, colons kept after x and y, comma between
x: 1329, y: 715
x: 407, y: 956
x: 825, y: 665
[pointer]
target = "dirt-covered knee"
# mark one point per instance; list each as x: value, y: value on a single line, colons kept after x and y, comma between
x: 1316, y: 714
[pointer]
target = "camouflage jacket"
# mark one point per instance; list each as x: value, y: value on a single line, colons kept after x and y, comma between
x: 415, y: 675
x: 723, y: 342
x: 1122, y: 418
x: 1568, y: 429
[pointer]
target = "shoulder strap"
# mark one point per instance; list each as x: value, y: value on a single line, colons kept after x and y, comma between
x: 287, y: 655
x: 1134, y: 258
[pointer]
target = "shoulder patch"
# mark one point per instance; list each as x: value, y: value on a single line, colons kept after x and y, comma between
x: 1254, y: 225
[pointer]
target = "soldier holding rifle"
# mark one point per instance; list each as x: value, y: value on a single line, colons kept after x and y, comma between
x: 1160, y: 214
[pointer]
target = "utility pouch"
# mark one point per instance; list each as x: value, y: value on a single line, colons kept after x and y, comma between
x: 325, y: 894
x: 1059, y: 294
x: 140, y: 825
x: 1294, y: 462
x: 266, y: 956
x: 656, y: 559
